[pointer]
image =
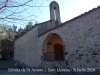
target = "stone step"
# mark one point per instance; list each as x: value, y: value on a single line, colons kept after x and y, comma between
x: 51, y: 64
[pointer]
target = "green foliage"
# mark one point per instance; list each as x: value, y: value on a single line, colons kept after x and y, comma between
x: 21, y: 31
x: 7, y: 36
x: 2, y: 32
x: 0, y: 56
x: 29, y: 26
x: 6, y: 41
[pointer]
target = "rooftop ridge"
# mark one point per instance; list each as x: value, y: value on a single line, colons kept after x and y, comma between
x: 74, y: 18
x: 87, y: 12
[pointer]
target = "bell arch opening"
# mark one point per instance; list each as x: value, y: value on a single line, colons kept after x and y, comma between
x: 53, y: 48
x: 54, y: 11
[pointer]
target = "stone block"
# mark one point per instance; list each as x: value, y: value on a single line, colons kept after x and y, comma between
x: 67, y: 62
x: 81, y: 54
x: 95, y: 45
x: 86, y: 54
x: 96, y: 60
x: 66, y: 53
x: 77, y: 50
x: 87, y: 61
x: 94, y: 54
x: 81, y: 46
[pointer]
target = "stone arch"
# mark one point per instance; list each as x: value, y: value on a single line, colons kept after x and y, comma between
x: 53, y: 47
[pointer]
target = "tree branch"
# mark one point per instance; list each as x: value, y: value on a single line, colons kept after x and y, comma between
x: 20, y: 4
x: 5, y: 5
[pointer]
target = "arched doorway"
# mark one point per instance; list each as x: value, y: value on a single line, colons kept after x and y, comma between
x: 53, y: 48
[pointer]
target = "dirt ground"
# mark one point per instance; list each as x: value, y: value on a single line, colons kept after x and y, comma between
x: 9, y: 63
x: 5, y: 64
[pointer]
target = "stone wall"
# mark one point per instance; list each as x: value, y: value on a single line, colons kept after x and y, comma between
x: 81, y: 38
x: 26, y: 49
x: 46, y: 26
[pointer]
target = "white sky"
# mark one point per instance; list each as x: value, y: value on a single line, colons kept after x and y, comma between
x: 68, y: 10
x: 72, y: 8
x: 78, y: 7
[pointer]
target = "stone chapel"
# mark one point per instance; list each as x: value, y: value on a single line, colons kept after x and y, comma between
x: 74, y: 43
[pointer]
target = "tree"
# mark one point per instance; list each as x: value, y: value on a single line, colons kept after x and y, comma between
x: 6, y: 41
x: 14, y: 28
x: 18, y: 11
x: 2, y: 32
x: 29, y: 26
x: 20, y: 31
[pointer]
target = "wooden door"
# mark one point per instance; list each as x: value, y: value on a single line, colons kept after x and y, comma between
x: 59, y: 53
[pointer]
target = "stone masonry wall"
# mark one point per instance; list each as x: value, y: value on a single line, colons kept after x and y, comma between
x: 26, y: 49
x: 46, y: 26
x: 81, y: 38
